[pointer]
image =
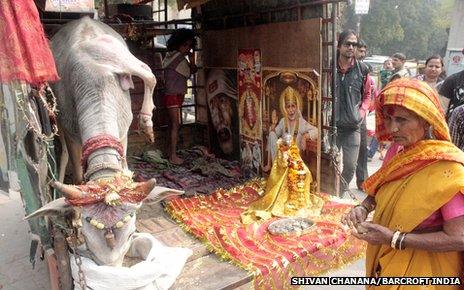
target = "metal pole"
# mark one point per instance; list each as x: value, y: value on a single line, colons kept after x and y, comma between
x: 166, y: 11
x: 333, y: 136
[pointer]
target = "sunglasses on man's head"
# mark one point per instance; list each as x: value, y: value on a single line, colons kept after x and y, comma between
x: 349, y: 43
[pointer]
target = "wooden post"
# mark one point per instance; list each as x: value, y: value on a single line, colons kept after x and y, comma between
x: 62, y: 257
x: 52, y: 269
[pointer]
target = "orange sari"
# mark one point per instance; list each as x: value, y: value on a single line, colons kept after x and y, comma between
x: 412, y: 185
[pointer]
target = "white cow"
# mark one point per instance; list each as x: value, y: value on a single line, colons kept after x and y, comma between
x: 94, y: 106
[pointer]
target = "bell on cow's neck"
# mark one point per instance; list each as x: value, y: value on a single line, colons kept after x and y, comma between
x: 110, y: 240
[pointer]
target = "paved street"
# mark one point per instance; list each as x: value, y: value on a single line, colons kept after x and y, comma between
x: 355, y: 269
x: 16, y: 271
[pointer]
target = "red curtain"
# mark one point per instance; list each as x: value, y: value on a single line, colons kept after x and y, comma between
x: 24, y: 51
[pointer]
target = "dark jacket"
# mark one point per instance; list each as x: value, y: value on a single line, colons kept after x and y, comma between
x: 350, y: 90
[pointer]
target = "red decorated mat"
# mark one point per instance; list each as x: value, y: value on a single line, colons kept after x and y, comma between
x: 273, y: 259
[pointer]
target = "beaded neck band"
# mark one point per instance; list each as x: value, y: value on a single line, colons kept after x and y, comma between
x: 119, y: 224
x: 97, y: 142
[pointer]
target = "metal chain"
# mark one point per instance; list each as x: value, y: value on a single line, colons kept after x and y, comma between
x: 50, y: 106
x: 72, y: 242
x: 81, y: 275
x: 46, y: 96
x: 21, y: 100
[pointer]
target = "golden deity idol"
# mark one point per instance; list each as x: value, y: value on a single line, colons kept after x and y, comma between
x: 287, y: 192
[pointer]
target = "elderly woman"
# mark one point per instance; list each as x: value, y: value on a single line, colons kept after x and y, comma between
x: 417, y: 195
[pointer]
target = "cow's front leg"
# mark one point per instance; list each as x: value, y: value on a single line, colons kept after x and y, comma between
x: 146, y: 112
x: 75, y: 154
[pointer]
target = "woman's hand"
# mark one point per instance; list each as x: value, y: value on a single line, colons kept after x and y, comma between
x: 373, y: 233
x: 356, y: 215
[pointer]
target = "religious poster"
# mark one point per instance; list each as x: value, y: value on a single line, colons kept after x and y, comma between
x: 455, y: 61
x: 290, y: 106
x: 221, y: 94
x: 249, y: 92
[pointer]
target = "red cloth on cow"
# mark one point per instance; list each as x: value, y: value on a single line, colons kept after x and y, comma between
x: 24, y: 51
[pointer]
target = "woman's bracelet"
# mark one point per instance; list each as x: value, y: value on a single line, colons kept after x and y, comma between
x: 395, y: 239
x: 401, y: 239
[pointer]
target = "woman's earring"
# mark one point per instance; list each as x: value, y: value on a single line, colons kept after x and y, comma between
x: 429, y: 134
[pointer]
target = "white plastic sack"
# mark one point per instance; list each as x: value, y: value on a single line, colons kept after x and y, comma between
x: 159, y: 270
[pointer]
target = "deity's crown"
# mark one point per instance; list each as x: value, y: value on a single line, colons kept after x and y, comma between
x: 290, y: 95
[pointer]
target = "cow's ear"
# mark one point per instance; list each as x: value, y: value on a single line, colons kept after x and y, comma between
x: 159, y: 193
x: 57, y: 207
x: 125, y: 80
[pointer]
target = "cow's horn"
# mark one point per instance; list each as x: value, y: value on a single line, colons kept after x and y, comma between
x: 69, y: 191
x: 146, y: 186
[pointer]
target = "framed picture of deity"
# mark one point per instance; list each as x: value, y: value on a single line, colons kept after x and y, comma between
x: 249, y: 102
x: 291, y: 105
x: 221, y: 94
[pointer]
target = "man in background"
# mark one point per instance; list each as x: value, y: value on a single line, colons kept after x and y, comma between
x: 361, y: 167
x: 452, y: 93
x: 452, y: 99
x: 399, y: 71
x: 456, y: 127
x: 353, y: 98
x: 361, y: 53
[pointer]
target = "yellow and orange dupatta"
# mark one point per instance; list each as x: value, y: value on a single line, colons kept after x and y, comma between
x: 416, y: 188
x: 412, y: 186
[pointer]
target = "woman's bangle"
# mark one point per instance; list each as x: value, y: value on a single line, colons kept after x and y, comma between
x: 364, y: 207
x: 401, y: 239
x: 394, y: 239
